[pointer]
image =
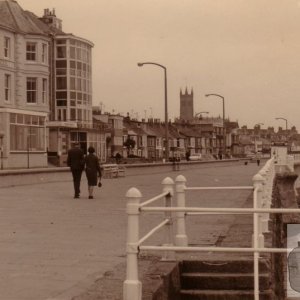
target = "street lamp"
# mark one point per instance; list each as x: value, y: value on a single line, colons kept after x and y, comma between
x: 166, y: 104
x: 286, y: 126
x: 224, y: 132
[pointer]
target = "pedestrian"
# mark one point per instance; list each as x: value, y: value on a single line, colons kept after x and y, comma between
x: 187, y: 155
x: 92, y: 169
x: 75, y: 161
x: 258, y: 157
x: 118, y: 158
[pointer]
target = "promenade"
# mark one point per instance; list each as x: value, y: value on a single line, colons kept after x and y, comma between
x: 55, y: 247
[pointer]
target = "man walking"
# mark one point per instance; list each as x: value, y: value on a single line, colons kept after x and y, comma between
x: 75, y: 161
x: 258, y: 157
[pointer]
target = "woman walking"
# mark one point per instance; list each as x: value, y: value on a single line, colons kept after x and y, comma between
x: 92, y: 169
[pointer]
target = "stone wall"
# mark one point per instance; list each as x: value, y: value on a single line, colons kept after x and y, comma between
x: 284, y: 196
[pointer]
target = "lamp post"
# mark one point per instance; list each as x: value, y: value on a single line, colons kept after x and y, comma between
x: 286, y: 125
x: 224, y: 131
x: 166, y: 105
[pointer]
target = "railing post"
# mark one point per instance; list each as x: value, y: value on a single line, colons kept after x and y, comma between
x: 181, y: 238
x: 266, y: 198
x: 168, y: 186
x: 258, y: 184
x: 258, y: 238
x: 132, y: 287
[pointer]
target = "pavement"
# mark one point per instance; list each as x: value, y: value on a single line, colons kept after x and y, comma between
x: 54, y: 247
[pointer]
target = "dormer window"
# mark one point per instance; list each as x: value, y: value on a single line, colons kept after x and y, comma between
x: 31, y: 51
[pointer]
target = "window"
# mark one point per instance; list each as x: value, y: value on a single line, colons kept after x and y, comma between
x: 7, y: 88
x: 61, y: 114
x: 31, y: 90
x: 31, y: 51
x: 44, y: 53
x: 6, y: 47
x: 61, y: 52
x: 44, y: 91
x: 61, y: 83
x: 27, y: 133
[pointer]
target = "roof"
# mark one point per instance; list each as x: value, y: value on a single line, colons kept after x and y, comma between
x: 14, y: 18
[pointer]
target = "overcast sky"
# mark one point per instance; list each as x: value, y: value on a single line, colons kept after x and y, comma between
x: 247, y: 51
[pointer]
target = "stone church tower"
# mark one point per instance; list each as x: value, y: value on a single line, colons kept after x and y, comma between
x: 186, y: 105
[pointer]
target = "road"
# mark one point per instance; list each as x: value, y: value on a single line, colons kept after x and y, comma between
x: 53, y: 246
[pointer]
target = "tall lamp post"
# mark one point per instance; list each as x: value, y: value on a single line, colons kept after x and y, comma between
x: 286, y: 124
x: 224, y: 131
x: 286, y: 128
x: 166, y: 105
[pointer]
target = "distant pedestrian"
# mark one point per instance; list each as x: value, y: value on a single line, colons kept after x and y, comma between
x: 187, y: 155
x: 258, y: 157
x: 75, y: 161
x: 92, y: 169
x: 118, y: 158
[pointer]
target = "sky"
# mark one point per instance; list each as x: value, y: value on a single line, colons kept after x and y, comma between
x: 246, y: 51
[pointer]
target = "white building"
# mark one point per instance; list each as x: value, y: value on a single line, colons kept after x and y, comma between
x: 24, y: 87
x: 45, y: 89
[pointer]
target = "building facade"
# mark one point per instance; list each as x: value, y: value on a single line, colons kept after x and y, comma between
x: 24, y: 88
x: 45, y: 90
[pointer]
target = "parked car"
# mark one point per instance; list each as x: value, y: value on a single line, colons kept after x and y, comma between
x: 250, y: 156
x: 196, y: 156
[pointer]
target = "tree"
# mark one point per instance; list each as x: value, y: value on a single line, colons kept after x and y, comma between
x: 129, y: 144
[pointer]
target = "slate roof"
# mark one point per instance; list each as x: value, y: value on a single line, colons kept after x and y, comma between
x: 14, y: 18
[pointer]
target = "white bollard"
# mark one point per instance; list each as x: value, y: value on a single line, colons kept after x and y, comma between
x: 168, y: 186
x: 181, y: 238
x: 258, y: 183
x: 132, y: 287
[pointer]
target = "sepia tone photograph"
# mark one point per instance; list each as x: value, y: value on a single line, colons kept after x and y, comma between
x: 149, y: 150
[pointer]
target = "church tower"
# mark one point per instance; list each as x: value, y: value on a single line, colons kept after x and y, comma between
x: 186, y: 105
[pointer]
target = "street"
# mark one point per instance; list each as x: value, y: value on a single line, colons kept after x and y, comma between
x: 54, y: 246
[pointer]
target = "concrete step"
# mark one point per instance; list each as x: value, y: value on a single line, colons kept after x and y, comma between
x: 224, y: 295
x: 233, y: 266
x: 223, y: 281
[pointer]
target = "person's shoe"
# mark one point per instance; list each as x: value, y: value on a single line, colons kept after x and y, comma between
x: 91, y: 197
x: 76, y: 196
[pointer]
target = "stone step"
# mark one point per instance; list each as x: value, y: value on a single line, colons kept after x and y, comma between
x: 223, y: 295
x: 223, y: 281
x: 233, y: 266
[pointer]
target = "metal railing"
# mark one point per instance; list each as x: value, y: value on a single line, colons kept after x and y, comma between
x: 262, y: 199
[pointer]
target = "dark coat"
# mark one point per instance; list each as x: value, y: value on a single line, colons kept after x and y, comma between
x: 92, y: 169
x: 75, y: 159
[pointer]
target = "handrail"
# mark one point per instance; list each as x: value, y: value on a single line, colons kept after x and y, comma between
x: 219, y: 188
x: 262, y: 198
x: 225, y: 209
x: 151, y: 232
x: 158, y: 197
x: 215, y: 249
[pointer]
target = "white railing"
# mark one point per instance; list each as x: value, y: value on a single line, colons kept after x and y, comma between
x: 262, y: 199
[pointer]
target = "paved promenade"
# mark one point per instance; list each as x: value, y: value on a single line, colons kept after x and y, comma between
x: 54, y: 247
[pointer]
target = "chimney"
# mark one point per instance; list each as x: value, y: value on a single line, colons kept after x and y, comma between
x: 50, y: 19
